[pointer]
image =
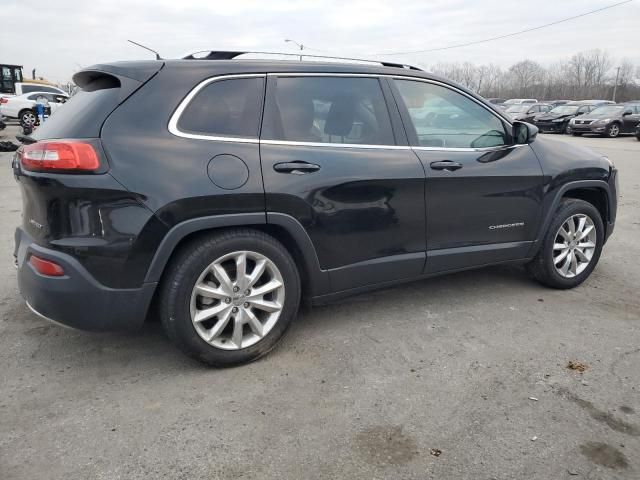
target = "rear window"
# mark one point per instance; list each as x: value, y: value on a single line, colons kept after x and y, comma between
x: 227, y: 108
x: 82, y: 116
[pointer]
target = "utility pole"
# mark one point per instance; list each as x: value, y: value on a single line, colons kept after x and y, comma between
x: 288, y: 40
x: 615, y: 87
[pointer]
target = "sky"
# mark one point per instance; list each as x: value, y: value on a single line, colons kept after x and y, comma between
x: 66, y: 35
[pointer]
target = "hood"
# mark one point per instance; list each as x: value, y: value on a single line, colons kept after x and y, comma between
x: 591, y: 116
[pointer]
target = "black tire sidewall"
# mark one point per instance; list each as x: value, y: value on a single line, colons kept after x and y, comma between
x: 567, y: 209
x: 175, y: 308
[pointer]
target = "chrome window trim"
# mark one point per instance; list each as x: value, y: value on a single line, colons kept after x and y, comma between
x: 175, y: 117
x: 339, y: 145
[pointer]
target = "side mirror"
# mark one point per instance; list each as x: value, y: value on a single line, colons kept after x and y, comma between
x: 524, y: 133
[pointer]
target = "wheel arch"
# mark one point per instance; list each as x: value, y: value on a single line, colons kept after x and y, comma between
x: 284, y: 228
x: 596, y: 192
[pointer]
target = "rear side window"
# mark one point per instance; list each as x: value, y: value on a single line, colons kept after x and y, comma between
x: 38, y: 88
x: 228, y: 108
x: 328, y: 110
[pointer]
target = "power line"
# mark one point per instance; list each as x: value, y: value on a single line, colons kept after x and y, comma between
x: 508, y: 34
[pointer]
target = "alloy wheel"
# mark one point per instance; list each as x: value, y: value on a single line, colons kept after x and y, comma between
x: 574, y: 245
x: 29, y: 118
x: 237, y: 300
x: 614, y: 130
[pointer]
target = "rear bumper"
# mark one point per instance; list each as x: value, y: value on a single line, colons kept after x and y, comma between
x: 76, y: 299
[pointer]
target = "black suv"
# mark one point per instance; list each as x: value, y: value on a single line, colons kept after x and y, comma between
x: 220, y: 192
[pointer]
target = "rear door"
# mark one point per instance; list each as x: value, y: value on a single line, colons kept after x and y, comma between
x: 334, y: 158
x: 483, y: 193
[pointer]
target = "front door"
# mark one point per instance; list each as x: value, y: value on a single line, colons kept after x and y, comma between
x: 483, y: 194
x: 331, y: 159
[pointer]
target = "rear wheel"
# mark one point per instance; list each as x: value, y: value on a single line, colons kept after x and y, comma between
x: 613, y: 130
x: 228, y: 298
x: 28, y: 118
x: 571, y: 247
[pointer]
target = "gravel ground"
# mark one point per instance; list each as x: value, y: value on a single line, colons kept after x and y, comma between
x: 457, y: 377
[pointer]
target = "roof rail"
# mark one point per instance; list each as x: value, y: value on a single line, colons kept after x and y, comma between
x: 229, y: 55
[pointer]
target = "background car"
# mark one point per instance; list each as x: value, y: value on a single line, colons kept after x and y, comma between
x: 609, y: 120
x: 638, y: 132
x: 525, y: 112
x: 22, y: 107
x: 557, y: 103
x: 496, y: 101
x: 517, y: 101
x: 21, y: 88
x: 557, y: 120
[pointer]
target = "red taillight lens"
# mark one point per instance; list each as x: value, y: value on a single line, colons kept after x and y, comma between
x: 46, y: 267
x: 59, y: 155
x: 4, y: 100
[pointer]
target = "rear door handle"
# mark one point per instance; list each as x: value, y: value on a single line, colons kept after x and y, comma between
x: 448, y: 165
x: 297, y: 167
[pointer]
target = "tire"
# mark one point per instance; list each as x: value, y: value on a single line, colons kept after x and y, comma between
x: 613, y: 130
x: 180, y: 301
x: 27, y: 117
x: 566, y: 129
x: 543, y: 268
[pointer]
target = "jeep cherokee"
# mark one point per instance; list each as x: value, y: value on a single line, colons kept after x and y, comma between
x: 219, y: 192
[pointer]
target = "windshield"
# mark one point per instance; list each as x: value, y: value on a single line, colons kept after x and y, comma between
x: 565, y: 109
x: 517, y: 108
x: 608, y: 110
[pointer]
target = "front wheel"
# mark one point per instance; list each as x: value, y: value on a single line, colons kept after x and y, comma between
x: 228, y: 298
x: 613, y: 130
x: 571, y: 247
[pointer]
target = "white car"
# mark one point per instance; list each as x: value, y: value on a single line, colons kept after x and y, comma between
x: 21, y: 88
x: 23, y: 107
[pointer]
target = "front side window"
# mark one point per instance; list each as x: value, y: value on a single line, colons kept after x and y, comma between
x: 228, y: 108
x: 445, y: 118
x: 328, y: 110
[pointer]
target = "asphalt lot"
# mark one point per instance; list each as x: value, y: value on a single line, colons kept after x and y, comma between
x: 473, y: 364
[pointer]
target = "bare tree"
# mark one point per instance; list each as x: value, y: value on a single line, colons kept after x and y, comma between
x: 585, y: 75
x: 525, y: 74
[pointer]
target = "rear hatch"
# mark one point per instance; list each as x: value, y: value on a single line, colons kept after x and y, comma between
x: 62, y: 169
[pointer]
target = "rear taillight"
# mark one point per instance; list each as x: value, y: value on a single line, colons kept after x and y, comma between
x: 46, y: 267
x: 67, y: 155
x: 4, y: 100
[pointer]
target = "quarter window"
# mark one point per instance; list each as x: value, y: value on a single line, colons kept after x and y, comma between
x: 328, y: 110
x: 229, y: 108
x: 443, y: 118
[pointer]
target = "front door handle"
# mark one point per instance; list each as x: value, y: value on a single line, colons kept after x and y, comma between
x: 296, y: 167
x: 448, y: 165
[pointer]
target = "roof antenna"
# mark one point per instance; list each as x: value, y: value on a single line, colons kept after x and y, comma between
x: 146, y: 48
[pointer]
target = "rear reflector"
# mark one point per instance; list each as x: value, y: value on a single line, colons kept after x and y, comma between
x: 59, y: 155
x: 46, y: 267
